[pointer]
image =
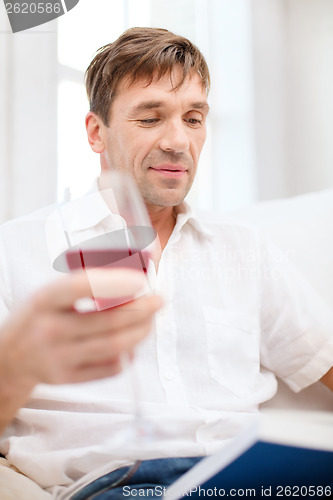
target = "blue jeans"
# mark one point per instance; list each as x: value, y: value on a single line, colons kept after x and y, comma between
x: 151, y: 476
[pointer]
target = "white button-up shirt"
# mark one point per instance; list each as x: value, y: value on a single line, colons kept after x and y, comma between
x: 235, y: 315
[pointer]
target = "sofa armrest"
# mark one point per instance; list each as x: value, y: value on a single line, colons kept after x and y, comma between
x: 17, y: 486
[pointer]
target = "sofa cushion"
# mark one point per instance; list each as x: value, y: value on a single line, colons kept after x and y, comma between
x: 302, y: 226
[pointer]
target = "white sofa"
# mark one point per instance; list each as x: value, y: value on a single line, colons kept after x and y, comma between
x: 303, y: 224
x: 16, y: 486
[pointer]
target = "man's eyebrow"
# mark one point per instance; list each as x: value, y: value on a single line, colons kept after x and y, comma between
x: 147, y: 105
x: 202, y: 105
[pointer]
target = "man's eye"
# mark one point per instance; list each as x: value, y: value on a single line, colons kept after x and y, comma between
x: 193, y: 121
x: 149, y: 121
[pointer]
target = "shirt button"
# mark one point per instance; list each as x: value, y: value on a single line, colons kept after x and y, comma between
x: 169, y: 375
x: 162, y: 312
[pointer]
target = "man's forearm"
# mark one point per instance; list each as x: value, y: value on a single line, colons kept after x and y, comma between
x: 327, y: 379
x: 13, y: 395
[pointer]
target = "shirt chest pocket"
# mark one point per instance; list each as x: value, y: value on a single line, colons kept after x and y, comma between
x: 232, y: 339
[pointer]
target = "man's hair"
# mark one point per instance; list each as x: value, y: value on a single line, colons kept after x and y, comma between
x: 140, y: 54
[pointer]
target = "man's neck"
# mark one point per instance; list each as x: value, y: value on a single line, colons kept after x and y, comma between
x: 163, y: 220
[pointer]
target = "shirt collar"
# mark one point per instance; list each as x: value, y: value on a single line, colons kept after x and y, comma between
x: 186, y: 215
x: 85, y: 212
x: 89, y: 211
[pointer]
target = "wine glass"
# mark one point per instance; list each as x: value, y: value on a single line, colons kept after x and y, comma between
x: 121, y: 237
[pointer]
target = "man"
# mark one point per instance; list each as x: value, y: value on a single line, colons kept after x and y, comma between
x: 234, y: 315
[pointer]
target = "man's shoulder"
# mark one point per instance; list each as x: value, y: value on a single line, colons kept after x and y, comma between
x: 25, y: 259
x: 25, y: 237
x: 26, y: 222
x: 225, y: 224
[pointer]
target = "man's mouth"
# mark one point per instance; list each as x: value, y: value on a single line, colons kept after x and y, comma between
x: 170, y: 170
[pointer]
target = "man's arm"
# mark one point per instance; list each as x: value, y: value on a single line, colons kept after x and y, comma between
x: 48, y: 341
x: 327, y: 379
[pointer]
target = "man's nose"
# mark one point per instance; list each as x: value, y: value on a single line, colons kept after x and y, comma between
x: 175, y: 137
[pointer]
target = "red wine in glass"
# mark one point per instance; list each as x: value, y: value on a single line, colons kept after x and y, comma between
x: 127, y: 241
x: 80, y: 258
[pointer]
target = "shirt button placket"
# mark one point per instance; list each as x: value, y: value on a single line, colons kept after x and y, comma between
x: 166, y: 335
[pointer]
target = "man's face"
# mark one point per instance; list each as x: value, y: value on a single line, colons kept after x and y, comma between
x: 156, y: 134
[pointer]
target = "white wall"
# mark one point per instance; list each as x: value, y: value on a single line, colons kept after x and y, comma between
x: 310, y: 94
x: 5, y: 124
x: 293, y: 82
x: 28, y: 143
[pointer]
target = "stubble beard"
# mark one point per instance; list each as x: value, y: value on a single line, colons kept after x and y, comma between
x: 170, y: 192
x: 168, y: 196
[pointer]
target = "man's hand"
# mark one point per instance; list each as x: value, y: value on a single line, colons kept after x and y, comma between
x: 327, y: 379
x: 48, y: 341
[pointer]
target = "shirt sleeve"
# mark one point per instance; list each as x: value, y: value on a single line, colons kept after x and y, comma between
x: 4, y: 286
x: 296, y: 323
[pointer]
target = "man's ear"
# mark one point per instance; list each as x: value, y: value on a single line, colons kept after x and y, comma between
x: 95, y: 128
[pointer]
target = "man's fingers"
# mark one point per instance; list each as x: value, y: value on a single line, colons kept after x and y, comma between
x: 107, y: 347
x: 111, y: 320
x: 60, y: 345
x: 71, y: 326
x: 85, y: 374
x: 103, y: 283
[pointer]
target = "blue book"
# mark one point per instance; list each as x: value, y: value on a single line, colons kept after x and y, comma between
x: 285, y: 454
